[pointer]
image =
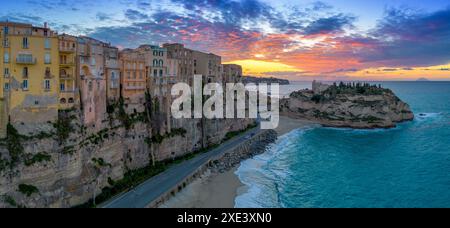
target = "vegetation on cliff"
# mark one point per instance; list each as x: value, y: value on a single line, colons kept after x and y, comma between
x: 28, y: 190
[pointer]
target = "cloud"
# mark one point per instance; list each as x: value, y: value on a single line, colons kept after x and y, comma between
x: 331, y: 24
x: 103, y: 16
x: 135, y: 15
x: 406, y: 38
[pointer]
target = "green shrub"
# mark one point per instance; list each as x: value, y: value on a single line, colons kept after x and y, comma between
x: 40, y: 157
x: 13, y: 143
x: 63, y: 127
x: 28, y: 190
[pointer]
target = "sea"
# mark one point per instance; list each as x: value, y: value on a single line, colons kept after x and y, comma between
x: 317, y: 167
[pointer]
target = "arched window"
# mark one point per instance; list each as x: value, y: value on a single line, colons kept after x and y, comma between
x: 155, y: 62
x: 161, y: 53
x: 63, y: 100
x: 160, y: 73
x: 161, y: 63
x: 71, y: 100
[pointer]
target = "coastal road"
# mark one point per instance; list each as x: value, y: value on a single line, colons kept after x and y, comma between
x: 152, y: 189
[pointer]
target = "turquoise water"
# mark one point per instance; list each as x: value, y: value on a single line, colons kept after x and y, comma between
x: 408, y: 166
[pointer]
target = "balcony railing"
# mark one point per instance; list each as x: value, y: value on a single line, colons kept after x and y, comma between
x: 66, y: 49
x: 65, y: 76
x: 26, y: 60
x: 67, y: 63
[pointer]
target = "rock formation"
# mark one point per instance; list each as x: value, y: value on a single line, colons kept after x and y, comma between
x: 352, y: 105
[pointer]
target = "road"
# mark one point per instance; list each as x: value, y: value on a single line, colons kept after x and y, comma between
x: 152, y: 189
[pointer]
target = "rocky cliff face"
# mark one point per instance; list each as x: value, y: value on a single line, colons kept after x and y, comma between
x: 359, y: 106
x: 70, y: 164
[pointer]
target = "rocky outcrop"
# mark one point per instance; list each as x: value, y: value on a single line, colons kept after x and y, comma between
x: 360, y: 106
x: 258, y: 80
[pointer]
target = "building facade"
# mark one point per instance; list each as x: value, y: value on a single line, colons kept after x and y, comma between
x: 30, y: 65
x: 92, y: 81
x: 209, y: 65
x: 133, y: 79
x: 68, y: 89
x: 232, y: 73
x: 112, y: 73
x: 184, y: 56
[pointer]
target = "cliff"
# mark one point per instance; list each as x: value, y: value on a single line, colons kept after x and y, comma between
x: 71, y: 163
x: 258, y: 80
x: 360, y: 106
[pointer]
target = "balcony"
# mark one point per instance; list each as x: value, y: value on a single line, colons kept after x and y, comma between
x: 67, y: 64
x: 26, y: 59
x: 65, y: 76
x: 67, y: 49
x: 135, y: 87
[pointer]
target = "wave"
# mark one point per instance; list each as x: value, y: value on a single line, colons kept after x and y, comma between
x: 263, y: 190
x: 428, y: 115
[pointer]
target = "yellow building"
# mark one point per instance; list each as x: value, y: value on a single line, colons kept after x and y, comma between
x: 30, y: 65
x: 68, y: 90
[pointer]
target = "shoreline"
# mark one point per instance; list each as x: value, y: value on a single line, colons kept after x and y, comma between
x: 219, y: 190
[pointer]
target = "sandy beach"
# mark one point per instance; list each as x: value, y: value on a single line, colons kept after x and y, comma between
x: 219, y: 190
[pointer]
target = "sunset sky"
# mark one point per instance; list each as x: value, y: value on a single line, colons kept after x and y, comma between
x: 297, y: 39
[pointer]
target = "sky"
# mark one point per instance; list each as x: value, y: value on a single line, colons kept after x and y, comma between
x: 295, y: 39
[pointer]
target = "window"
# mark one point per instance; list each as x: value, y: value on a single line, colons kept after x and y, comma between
x: 129, y: 75
x: 6, y: 72
x: 90, y: 86
x: 47, y: 58
x: 160, y: 73
x: 140, y: 75
x: 47, y: 84
x: 6, y: 30
x: 6, y: 57
x: 6, y: 86
x: 155, y: 73
x: 134, y: 75
x: 155, y: 53
x: 25, y: 43
x: 25, y: 85
x: 155, y: 62
x: 25, y: 72
x: 161, y: 63
x: 93, y: 61
x: 62, y: 87
x: 47, y: 43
